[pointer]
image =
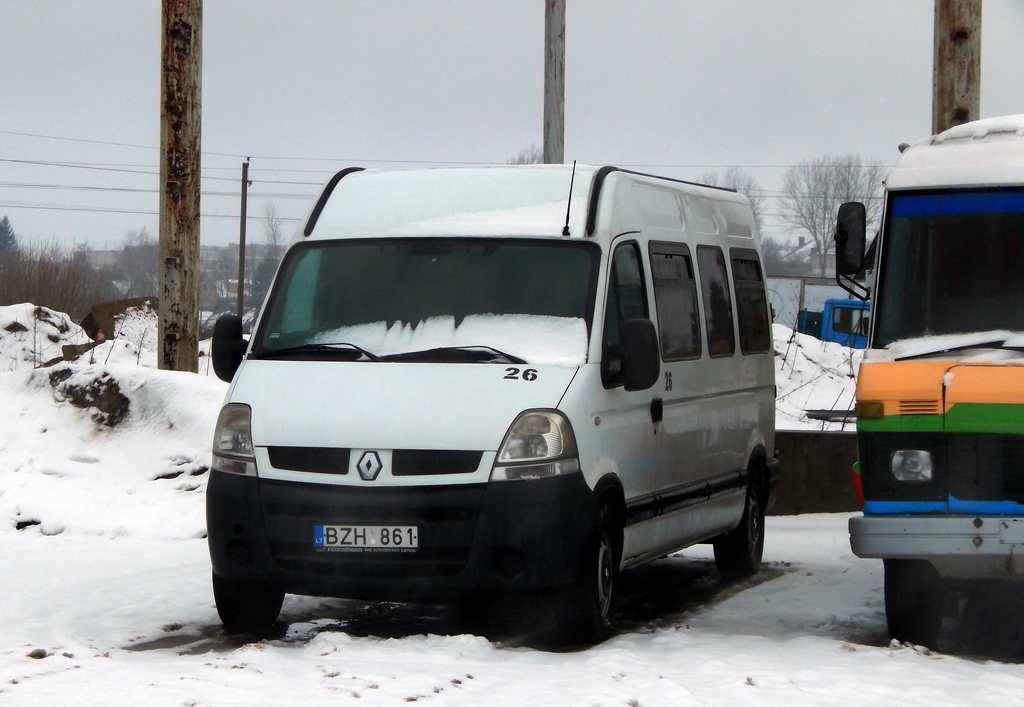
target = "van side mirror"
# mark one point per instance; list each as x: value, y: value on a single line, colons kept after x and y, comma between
x: 851, y: 228
x: 641, y: 357
x: 227, y: 347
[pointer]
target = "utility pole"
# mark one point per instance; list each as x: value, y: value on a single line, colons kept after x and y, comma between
x: 241, y: 237
x: 554, y: 81
x: 180, y: 111
x: 956, y: 82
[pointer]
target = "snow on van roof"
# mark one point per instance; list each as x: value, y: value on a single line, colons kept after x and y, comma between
x: 980, y: 153
x: 528, y: 200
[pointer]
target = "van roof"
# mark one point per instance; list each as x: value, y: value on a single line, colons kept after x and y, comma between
x: 980, y: 153
x: 533, y: 199
x: 499, y: 200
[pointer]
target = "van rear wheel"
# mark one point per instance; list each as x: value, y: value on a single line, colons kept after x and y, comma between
x: 738, y: 553
x: 246, y: 608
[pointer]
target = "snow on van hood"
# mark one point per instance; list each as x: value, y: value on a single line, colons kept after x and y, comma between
x: 533, y: 338
x: 466, y: 406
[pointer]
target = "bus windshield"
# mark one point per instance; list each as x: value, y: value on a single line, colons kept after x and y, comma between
x: 952, y: 263
x: 453, y: 299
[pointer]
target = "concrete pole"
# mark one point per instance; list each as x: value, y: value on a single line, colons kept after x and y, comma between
x: 181, y: 60
x: 956, y: 82
x: 241, y: 239
x: 554, y: 81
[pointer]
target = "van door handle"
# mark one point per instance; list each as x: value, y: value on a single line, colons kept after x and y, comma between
x: 657, y: 410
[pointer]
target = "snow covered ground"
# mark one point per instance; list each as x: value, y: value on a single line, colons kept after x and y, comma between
x: 106, y: 597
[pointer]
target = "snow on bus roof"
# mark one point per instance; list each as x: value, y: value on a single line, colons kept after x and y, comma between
x: 987, y: 152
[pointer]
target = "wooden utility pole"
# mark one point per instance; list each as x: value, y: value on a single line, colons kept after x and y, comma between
x: 241, y: 239
x: 554, y: 81
x: 956, y: 82
x: 180, y: 111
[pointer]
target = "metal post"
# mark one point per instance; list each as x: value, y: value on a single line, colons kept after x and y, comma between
x: 180, y: 112
x: 241, y: 237
x: 956, y: 73
x: 554, y: 81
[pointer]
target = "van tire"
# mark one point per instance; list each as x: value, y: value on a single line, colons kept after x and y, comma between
x: 586, y: 613
x: 246, y: 608
x: 914, y: 601
x: 738, y: 553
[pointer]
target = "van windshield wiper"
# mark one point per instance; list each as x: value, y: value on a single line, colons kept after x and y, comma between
x: 457, y: 354
x: 343, y: 350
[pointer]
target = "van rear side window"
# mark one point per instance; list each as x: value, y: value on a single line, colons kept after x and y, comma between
x: 714, y: 281
x: 751, y: 301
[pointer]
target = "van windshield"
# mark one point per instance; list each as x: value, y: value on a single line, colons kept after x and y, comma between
x: 447, y: 299
x: 951, y: 264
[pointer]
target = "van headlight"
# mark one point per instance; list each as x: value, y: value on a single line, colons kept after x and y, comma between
x: 912, y: 465
x: 232, y: 441
x: 539, y: 444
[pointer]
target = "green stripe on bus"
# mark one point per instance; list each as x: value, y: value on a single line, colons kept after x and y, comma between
x: 901, y: 423
x: 985, y: 417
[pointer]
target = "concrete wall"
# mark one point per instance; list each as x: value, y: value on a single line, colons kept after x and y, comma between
x: 816, y: 476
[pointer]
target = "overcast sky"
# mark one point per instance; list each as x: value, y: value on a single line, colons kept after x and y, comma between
x: 306, y: 87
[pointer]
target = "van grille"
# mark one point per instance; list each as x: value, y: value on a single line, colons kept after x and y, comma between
x: 404, y: 462
x: 318, y: 460
x: 426, y: 462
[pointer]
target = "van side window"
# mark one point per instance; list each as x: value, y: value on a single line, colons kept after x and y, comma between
x: 751, y: 301
x: 627, y: 299
x: 714, y: 287
x: 675, y: 297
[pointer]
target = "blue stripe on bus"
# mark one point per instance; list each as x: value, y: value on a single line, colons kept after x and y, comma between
x: 954, y: 505
x: 962, y: 203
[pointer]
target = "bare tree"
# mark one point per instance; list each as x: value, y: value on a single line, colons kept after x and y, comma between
x: 266, y: 266
x: 53, y: 276
x: 813, y: 190
x: 528, y: 155
x: 273, y: 231
x: 138, y: 264
x: 782, y: 259
x: 744, y: 183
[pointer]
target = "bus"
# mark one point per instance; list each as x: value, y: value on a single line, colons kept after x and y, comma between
x: 940, y: 392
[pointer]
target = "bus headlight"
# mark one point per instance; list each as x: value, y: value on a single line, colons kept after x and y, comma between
x: 912, y: 465
x: 232, y: 441
x: 539, y: 444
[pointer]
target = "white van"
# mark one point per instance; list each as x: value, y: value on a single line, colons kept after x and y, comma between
x: 495, y: 381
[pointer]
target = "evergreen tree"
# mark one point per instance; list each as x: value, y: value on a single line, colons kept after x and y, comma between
x: 8, y: 241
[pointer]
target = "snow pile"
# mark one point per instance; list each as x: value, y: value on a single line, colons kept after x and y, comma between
x: 103, y: 445
x: 32, y: 335
x: 811, y: 374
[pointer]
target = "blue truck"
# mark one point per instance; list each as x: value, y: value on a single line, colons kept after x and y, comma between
x: 844, y: 321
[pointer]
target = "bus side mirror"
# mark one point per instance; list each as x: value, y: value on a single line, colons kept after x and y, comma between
x: 851, y: 228
x: 641, y: 357
x: 227, y: 347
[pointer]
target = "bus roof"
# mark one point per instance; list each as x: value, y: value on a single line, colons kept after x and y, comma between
x: 981, y: 153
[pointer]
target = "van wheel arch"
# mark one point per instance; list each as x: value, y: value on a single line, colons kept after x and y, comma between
x: 757, y: 473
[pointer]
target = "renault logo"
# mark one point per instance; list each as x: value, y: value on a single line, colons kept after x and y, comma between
x: 369, y: 466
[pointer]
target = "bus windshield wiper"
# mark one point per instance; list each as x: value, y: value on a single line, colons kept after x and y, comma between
x: 457, y: 354
x: 343, y: 350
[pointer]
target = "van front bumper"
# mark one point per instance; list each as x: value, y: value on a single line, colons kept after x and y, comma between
x: 958, y: 546
x: 511, y: 536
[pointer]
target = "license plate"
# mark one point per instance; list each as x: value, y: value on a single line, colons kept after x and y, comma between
x: 366, y: 538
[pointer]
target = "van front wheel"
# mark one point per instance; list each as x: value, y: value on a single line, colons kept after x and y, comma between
x: 738, y: 553
x: 585, y: 615
x: 246, y: 608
